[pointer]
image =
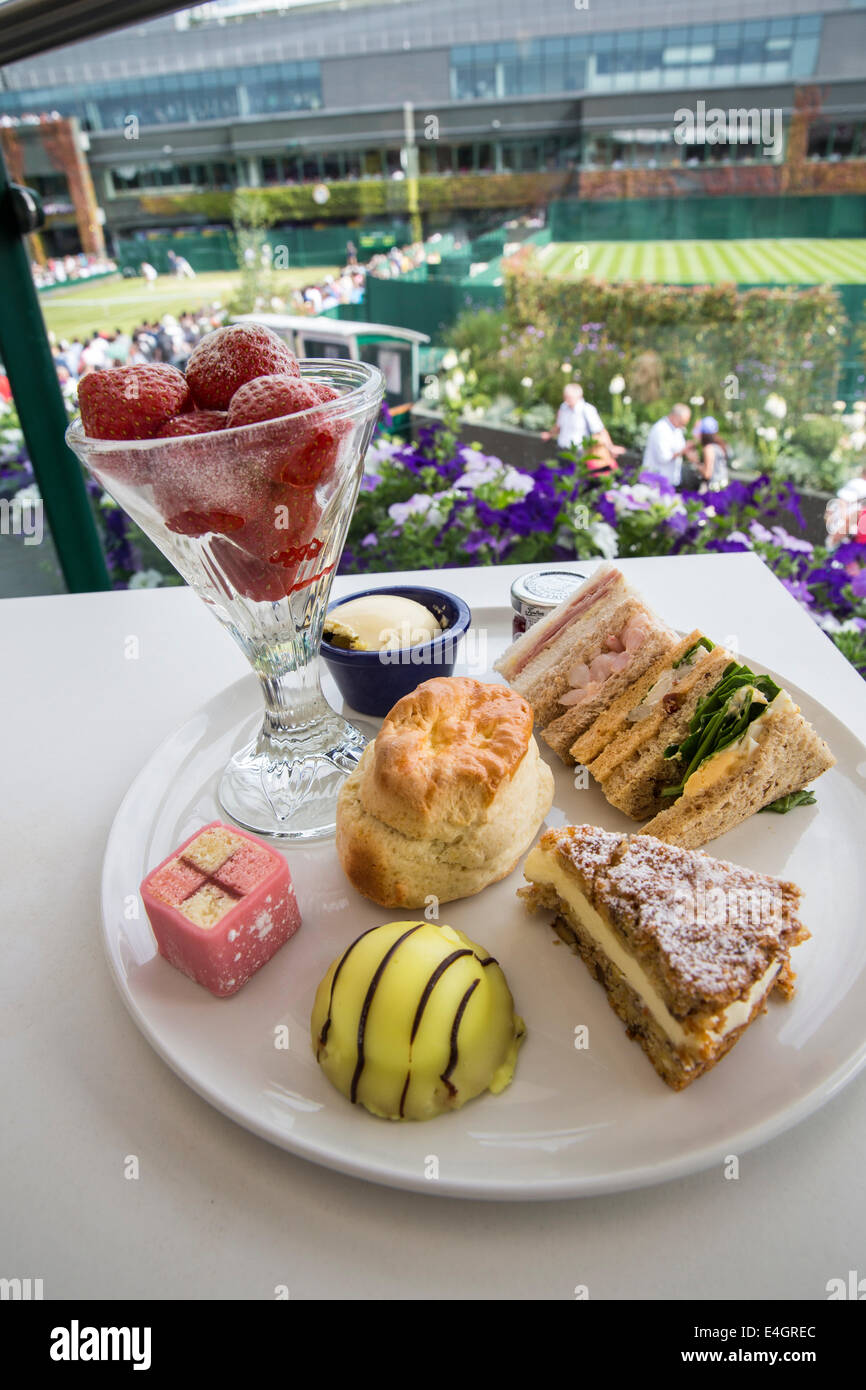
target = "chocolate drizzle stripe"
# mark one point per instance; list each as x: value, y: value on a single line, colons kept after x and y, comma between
x: 422, y: 1004
x: 431, y: 985
x: 455, y: 1028
x: 368, y: 999
x: 327, y: 1023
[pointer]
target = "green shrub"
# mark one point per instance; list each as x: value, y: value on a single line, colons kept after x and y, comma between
x: 816, y: 436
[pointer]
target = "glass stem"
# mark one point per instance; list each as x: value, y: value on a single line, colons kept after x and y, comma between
x: 292, y: 690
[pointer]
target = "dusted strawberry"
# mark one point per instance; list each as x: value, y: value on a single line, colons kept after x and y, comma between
x: 324, y: 391
x: 228, y: 357
x: 303, y: 451
x: 194, y: 422
x: 209, y: 482
x: 270, y: 398
x: 296, y: 515
x: 192, y: 523
x: 131, y: 402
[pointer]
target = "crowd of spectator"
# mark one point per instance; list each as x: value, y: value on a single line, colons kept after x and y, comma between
x: 171, y: 338
x: 348, y: 286
x: 62, y: 270
x: 167, y: 339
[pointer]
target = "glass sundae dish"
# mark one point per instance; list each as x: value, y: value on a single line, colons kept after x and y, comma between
x: 254, y: 518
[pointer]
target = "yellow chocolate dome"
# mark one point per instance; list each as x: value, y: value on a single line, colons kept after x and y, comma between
x: 415, y: 1019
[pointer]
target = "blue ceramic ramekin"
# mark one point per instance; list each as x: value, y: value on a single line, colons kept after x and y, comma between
x: 371, y: 682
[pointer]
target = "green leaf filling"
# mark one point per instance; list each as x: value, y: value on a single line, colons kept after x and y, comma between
x: 687, y: 656
x: 787, y: 803
x: 716, y: 725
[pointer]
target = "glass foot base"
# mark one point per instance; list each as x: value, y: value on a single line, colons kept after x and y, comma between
x: 287, y: 787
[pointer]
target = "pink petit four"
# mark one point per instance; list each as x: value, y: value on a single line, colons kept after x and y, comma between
x: 220, y: 906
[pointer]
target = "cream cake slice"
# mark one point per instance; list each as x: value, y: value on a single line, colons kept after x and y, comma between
x: 688, y: 948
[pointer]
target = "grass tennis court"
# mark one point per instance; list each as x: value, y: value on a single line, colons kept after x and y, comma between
x: 794, y: 261
x: 87, y: 307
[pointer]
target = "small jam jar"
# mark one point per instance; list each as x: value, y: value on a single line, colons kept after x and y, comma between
x: 534, y: 595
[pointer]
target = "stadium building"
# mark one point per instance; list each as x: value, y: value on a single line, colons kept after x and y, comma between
x: 513, y: 103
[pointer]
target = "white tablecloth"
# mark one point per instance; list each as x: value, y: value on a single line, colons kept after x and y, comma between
x: 217, y: 1212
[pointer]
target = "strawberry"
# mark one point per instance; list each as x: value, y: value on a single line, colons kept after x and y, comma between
x: 193, y: 523
x: 228, y: 357
x: 324, y: 391
x: 303, y: 451
x: 130, y: 402
x: 203, y: 479
x: 270, y: 398
x: 194, y: 422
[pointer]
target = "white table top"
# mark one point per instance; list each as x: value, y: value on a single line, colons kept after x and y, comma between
x: 219, y: 1213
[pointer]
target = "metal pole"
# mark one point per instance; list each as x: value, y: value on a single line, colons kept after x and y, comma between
x: 26, y: 355
x: 412, y: 170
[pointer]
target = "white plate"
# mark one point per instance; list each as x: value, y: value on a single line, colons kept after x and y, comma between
x: 574, y: 1121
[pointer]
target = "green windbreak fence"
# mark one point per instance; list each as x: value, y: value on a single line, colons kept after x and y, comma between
x: 213, y: 248
x: 852, y: 379
x: 430, y: 305
x: 694, y: 219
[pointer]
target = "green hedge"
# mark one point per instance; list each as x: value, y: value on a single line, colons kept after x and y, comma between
x: 370, y: 197
x: 788, y: 340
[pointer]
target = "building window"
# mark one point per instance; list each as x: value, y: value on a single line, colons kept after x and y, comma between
x: 697, y: 56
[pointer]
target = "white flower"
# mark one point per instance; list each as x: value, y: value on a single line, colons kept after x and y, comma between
x: 416, y: 506
x: 450, y: 360
x: 526, y: 381
x: 696, y: 400
x: 857, y: 419
x: 420, y: 505
x: 768, y: 432
x: 452, y: 392
x: 857, y: 440
x: 626, y: 400
x: 567, y: 368
x: 146, y: 579
x: 828, y: 622
x: 617, y: 386
x: 474, y: 459
x: 379, y: 451
x: 775, y: 406
x: 839, y: 405
x: 465, y: 355
x: 515, y: 481
x: 831, y: 330
x: 459, y: 378
x: 603, y: 535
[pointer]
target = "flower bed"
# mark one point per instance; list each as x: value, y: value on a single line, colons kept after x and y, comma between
x: 439, y: 503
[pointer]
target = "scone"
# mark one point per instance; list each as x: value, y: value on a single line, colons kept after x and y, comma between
x: 448, y: 796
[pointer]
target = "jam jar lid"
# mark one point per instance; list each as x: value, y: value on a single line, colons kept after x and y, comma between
x: 544, y: 588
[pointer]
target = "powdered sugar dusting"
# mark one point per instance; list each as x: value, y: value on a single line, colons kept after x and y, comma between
x: 705, y: 929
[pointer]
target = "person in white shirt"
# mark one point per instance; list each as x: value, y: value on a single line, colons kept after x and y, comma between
x: 667, y: 444
x: 577, y: 422
x: 845, y: 514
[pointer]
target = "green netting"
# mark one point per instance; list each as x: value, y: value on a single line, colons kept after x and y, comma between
x: 666, y: 219
x: 429, y: 306
x: 212, y: 249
